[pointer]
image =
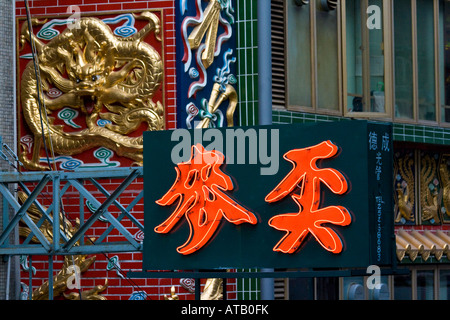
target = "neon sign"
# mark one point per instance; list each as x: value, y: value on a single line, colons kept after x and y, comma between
x: 318, y: 209
x: 200, y: 186
x: 310, y: 218
x: 199, y: 189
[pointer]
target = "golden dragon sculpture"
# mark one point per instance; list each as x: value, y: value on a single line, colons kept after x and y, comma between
x: 445, y: 180
x: 101, y: 75
x: 404, y: 199
x: 430, y: 198
x: 63, y: 277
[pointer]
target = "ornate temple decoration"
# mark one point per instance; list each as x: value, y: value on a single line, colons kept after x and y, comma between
x: 114, y: 264
x: 73, y: 266
x: 92, y: 294
x: 430, y: 189
x: 404, y: 197
x: 208, y: 53
x: 138, y: 295
x: 173, y: 295
x: 211, y: 107
x: 444, y: 174
x: 213, y: 290
x: 427, y: 244
x: 421, y: 187
x: 61, y: 280
x: 98, y: 88
x: 209, y: 24
x: 188, y: 284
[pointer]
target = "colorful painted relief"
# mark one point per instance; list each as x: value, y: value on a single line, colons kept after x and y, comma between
x: 206, y: 57
x: 100, y: 81
x: 429, y: 201
x: 404, y: 187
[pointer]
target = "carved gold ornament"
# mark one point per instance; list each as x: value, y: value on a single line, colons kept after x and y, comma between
x: 209, y: 25
x: 173, y: 295
x: 213, y: 289
x: 99, y: 75
x: 216, y: 100
x: 92, y: 294
x: 445, y: 181
x: 46, y: 227
x: 72, y: 263
x: 63, y: 277
x: 404, y: 199
x: 430, y: 195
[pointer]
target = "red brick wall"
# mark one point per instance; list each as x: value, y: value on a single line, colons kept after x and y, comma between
x: 118, y: 288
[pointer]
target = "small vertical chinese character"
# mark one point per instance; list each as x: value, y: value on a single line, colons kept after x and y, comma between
x: 373, y: 141
x: 385, y: 142
x: 378, y: 165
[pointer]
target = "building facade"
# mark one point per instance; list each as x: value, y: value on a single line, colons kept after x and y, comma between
x: 103, y: 276
x: 381, y: 60
x: 385, y: 61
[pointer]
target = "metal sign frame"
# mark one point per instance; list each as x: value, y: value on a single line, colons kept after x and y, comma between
x: 365, y: 159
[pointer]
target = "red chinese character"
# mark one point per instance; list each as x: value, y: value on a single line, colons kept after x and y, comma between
x: 310, y: 218
x: 199, y: 189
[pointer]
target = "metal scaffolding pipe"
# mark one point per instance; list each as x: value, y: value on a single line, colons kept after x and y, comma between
x: 265, y: 97
x: 264, y: 63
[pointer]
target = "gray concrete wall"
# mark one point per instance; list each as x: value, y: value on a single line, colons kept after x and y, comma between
x: 9, y: 267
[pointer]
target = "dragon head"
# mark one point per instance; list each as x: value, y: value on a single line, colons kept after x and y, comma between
x: 86, y: 67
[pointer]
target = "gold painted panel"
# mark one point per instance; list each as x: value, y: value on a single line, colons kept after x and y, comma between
x: 93, y: 87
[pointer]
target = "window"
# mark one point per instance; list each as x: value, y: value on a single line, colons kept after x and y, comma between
x: 403, y: 59
x: 444, y: 285
x: 402, y: 287
x: 336, y: 64
x: 301, y: 289
x: 313, y: 67
x: 425, y: 285
x: 353, y: 288
x: 327, y: 288
x: 415, y: 60
x: 366, y: 64
x: 426, y: 81
x: 356, y: 288
x: 381, y: 290
x: 306, y: 288
x: 444, y: 58
x: 383, y: 59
